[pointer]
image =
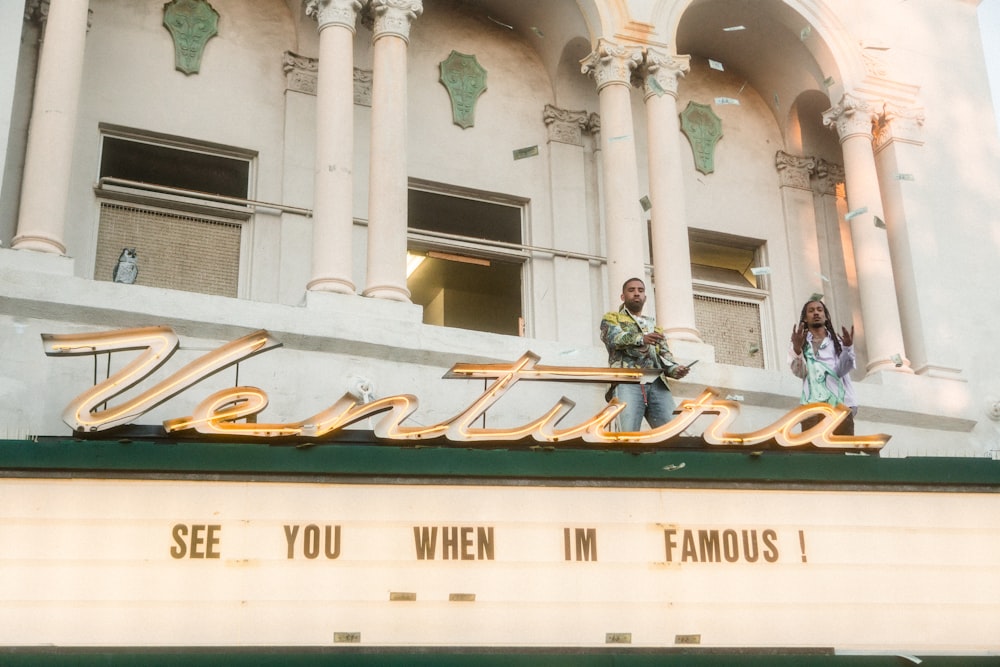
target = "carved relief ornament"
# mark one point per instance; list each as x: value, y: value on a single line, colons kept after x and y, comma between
x: 191, y: 23
x: 343, y: 13
x: 611, y: 63
x: 301, y: 72
x: 394, y: 17
x: 830, y: 177
x: 853, y: 115
x: 663, y: 72
x: 793, y: 171
x: 565, y: 127
x: 897, y: 123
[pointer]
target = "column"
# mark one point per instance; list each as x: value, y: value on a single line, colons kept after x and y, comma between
x: 876, y: 282
x: 41, y: 223
x: 611, y: 66
x: 568, y: 303
x: 836, y: 252
x: 333, y: 191
x: 387, y: 208
x: 800, y: 224
x: 671, y: 253
x: 931, y: 343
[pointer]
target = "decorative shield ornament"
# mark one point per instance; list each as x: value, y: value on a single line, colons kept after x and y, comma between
x: 465, y: 80
x: 191, y: 23
x: 703, y: 129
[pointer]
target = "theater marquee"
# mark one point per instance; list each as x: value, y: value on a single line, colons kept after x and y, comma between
x: 115, y: 562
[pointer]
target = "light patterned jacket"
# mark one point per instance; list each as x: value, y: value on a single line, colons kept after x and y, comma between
x: 622, y: 335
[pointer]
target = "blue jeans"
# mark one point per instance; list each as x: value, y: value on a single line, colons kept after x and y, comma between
x: 652, y: 401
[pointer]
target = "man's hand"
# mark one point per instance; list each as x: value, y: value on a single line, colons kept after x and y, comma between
x: 678, y: 371
x: 847, y: 337
x: 652, y: 338
x: 799, y: 337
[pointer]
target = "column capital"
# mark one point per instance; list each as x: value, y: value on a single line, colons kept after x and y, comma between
x: 300, y: 72
x: 612, y: 63
x: 830, y: 177
x: 565, y: 127
x: 793, y: 171
x: 897, y: 123
x: 343, y: 13
x: 394, y: 17
x: 852, y: 116
x: 37, y: 11
x: 663, y: 72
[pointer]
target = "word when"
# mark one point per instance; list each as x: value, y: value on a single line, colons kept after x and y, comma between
x: 221, y: 413
x: 457, y: 543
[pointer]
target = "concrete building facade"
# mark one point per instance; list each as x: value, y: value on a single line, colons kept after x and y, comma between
x: 393, y: 187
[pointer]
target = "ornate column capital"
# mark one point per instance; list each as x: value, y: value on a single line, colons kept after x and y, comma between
x: 852, y: 116
x: 793, y: 171
x: 830, y: 177
x: 343, y: 13
x: 897, y: 123
x: 565, y: 127
x: 37, y: 11
x: 300, y: 72
x: 663, y: 72
x: 611, y: 63
x: 394, y: 17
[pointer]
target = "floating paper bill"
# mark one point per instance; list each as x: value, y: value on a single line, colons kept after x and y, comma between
x: 850, y: 215
x: 776, y: 102
x: 734, y: 397
x: 904, y: 177
x: 898, y: 360
x: 805, y: 32
x: 726, y: 100
x: 645, y: 203
x: 530, y: 151
x: 879, y: 222
x: 537, y: 31
x: 715, y: 64
x: 655, y: 86
x: 734, y: 28
x: 828, y: 81
x: 754, y: 349
x: 619, y: 138
x: 816, y: 296
x: 761, y: 270
x: 823, y: 278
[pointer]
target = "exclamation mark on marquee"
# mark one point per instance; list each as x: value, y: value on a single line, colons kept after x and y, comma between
x: 802, y: 544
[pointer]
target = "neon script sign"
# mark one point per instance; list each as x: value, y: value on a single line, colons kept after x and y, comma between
x: 221, y: 412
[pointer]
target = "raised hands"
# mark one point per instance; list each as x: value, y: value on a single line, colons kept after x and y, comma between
x: 798, y: 337
x: 847, y: 337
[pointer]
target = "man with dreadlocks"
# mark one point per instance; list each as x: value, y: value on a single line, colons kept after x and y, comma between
x: 824, y: 362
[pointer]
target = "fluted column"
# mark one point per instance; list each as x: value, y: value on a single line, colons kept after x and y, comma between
x: 671, y: 252
x: 333, y: 177
x: 611, y: 66
x: 41, y: 223
x: 387, y: 208
x: 800, y: 223
x: 876, y: 282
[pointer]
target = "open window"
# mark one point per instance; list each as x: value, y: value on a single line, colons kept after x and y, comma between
x: 177, y: 206
x: 464, y: 263
x: 730, y: 291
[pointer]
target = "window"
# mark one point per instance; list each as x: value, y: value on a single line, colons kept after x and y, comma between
x: 729, y: 296
x: 465, y: 263
x: 180, y: 205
